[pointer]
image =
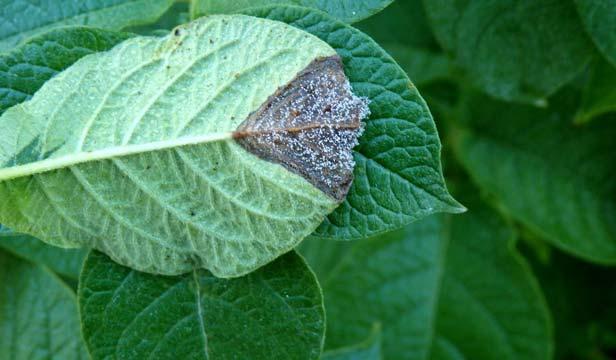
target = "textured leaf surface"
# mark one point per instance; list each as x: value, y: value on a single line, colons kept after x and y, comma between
x: 599, y: 95
x: 38, y: 314
x: 506, y: 46
x: 345, y: 10
x: 398, y: 177
x: 554, y: 177
x: 443, y: 288
x: 275, y: 312
x: 26, y: 68
x: 599, y: 18
x: 162, y: 185
x: 66, y: 262
x: 20, y: 19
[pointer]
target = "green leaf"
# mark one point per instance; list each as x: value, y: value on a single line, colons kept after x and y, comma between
x: 143, y: 152
x: 66, y: 262
x: 26, y: 68
x: 513, y: 50
x: 275, y: 312
x: 599, y: 17
x: 21, y: 19
x: 348, y: 11
x: 38, y: 314
x: 580, y: 296
x: 552, y: 176
x: 369, y: 349
x: 423, y: 66
x: 445, y: 287
x: 176, y: 15
x: 398, y: 176
x: 599, y: 95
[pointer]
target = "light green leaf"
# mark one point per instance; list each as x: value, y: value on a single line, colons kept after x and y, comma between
x: 552, y: 176
x: 369, y: 349
x: 146, y: 137
x: 447, y: 287
x: 599, y: 95
x: 26, y: 68
x: 38, y: 314
x: 513, y: 49
x: 398, y: 176
x: 21, y: 19
x: 599, y: 17
x: 345, y: 10
x: 66, y: 262
x: 275, y: 312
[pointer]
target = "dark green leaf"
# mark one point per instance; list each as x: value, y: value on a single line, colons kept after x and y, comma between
x: 38, y: 314
x: 275, y: 312
x: 66, y: 262
x: 345, y: 10
x: 26, y: 68
x: 445, y: 287
x: 22, y: 19
x: 369, y: 349
x: 599, y: 96
x: 599, y: 18
x: 581, y: 297
x: 398, y: 177
x: 554, y: 177
x: 176, y: 15
x: 513, y: 50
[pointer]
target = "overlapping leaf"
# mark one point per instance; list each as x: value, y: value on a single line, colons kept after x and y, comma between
x: 275, y: 312
x: 345, y: 10
x: 20, y: 19
x: 445, y: 287
x: 26, y: 68
x: 554, y: 177
x: 513, y: 50
x: 162, y: 186
x: 599, y: 18
x: 66, y: 262
x: 599, y: 95
x: 398, y: 177
x: 38, y: 314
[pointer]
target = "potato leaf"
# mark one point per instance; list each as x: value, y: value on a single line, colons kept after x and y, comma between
x: 27, y: 67
x: 345, y: 10
x: 599, y: 17
x: 513, y: 50
x: 172, y: 173
x: 275, y: 312
x: 554, y: 177
x: 446, y: 287
x: 66, y: 262
x: 599, y: 94
x: 398, y: 176
x: 38, y: 314
x: 20, y: 19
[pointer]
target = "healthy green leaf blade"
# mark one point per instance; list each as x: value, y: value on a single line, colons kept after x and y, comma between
x: 552, y: 176
x: 345, y: 10
x: 599, y: 17
x: 169, y: 174
x: 599, y: 94
x: 27, y: 67
x: 66, y: 262
x: 38, y: 314
x: 275, y: 312
x: 445, y: 287
x: 513, y: 50
x: 20, y: 19
x: 369, y: 349
x: 398, y: 176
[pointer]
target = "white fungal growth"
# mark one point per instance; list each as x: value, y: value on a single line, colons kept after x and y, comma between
x: 310, y: 126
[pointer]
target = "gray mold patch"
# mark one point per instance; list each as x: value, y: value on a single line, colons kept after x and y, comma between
x: 310, y: 127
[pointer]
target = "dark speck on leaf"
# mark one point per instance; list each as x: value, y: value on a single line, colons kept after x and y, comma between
x: 177, y: 32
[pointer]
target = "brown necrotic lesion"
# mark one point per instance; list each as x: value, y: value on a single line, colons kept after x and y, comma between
x: 310, y: 127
